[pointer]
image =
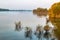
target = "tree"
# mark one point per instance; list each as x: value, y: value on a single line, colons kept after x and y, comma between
x: 55, y: 9
x: 40, y: 11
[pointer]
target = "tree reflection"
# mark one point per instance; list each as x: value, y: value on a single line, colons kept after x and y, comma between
x: 38, y: 32
x: 17, y: 26
x: 28, y: 33
x: 47, y: 34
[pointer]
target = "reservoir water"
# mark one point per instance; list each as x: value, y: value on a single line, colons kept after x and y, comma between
x: 27, y: 18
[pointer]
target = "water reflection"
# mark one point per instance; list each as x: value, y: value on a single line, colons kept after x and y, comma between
x: 28, y: 33
x: 18, y: 26
x: 38, y: 32
x: 7, y: 25
x: 45, y: 32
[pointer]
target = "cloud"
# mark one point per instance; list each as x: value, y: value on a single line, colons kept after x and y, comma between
x: 26, y: 4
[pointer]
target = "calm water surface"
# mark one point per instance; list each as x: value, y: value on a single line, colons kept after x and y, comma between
x: 7, y: 26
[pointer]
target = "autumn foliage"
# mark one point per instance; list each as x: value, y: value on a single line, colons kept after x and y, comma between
x: 54, y: 11
x: 54, y: 16
x: 40, y: 11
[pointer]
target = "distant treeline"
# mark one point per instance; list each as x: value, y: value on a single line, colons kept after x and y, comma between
x: 4, y: 9
x: 12, y: 10
x: 20, y: 10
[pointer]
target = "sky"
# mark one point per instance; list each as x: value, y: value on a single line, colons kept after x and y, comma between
x: 26, y: 4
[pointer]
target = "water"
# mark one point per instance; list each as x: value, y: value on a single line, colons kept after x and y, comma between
x: 7, y: 24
